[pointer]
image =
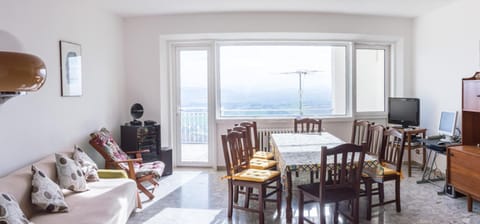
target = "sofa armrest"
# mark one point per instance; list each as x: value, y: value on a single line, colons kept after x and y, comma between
x: 108, y: 173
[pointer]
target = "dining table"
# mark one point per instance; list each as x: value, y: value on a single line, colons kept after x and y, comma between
x: 300, y: 152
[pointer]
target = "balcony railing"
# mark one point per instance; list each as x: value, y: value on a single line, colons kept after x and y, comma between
x: 194, y: 125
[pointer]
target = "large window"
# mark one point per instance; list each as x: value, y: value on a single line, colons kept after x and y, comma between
x: 282, y: 80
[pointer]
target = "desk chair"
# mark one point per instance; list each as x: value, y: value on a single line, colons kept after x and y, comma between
x: 340, y: 183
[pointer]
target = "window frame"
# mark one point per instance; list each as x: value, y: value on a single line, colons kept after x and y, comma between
x: 388, y: 78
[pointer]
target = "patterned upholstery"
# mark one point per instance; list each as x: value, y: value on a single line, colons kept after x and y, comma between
x: 263, y: 155
x: 104, y: 138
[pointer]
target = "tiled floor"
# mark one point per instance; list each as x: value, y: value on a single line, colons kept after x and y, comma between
x: 199, y: 197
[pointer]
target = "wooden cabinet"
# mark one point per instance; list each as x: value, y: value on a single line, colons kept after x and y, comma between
x: 142, y: 137
x: 463, y: 162
x: 463, y: 166
x: 471, y: 110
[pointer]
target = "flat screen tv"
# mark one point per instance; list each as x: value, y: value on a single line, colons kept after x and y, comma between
x: 404, y: 111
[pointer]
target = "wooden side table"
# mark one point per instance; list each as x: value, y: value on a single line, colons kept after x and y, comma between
x: 410, y: 135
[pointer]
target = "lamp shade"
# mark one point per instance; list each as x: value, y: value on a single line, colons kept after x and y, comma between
x: 20, y: 72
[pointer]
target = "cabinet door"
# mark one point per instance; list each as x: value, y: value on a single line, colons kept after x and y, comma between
x: 471, y: 95
x: 464, y: 171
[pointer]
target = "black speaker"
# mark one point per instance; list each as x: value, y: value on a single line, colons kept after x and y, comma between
x: 166, y: 157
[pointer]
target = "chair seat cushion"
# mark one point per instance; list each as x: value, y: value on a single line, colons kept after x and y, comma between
x: 156, y: 168
x: 262, y: 164
x: 331, y: 195
x: 263, y: 155
x: 256, y: 175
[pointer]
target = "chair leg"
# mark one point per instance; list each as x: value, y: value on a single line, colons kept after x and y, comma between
x: 356, y: 208
x: 368, y: 192
x: 230, y: 199
x: 145, y: 191
x: 381, y: 193
x: 139, y: 202
x: 279, y: 197
x: 235, y: 194
x: 335, y: 214
x: 311, y: 176
x: 300, y: 208
x: 261, y: 204
x: 397, y: 194
x: 248, y: 193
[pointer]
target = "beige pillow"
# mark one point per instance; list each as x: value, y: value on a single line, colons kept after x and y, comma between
x: 88, y: 166
x: 70, y: 176
x: 10, y: 211
x: 46, y: 194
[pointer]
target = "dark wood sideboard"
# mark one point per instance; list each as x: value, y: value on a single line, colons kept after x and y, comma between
x: 463, y: 162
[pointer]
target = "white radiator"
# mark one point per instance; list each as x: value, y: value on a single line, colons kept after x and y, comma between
x: 264, y: 135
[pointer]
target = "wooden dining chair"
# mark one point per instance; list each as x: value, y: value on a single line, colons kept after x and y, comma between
x: 375, y: 139
x: 252, y: 134
x: 238, y: 175
x: 360, y: 131
x: 340, y: 177
x: 305, y: 125
x: 389, y: 169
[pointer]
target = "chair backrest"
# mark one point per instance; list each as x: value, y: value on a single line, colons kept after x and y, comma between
x: 303, y: 125
x: 252, y: 133
x: 104, y: 143
x: 360, y: 132
x: 247, y: 152
x: 343, y: 167
x: 392, y: 150
x: 234, y: 144
x: 375, y: 140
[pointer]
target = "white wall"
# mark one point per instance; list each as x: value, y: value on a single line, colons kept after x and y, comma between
x: 142, y: 49
x: 43, y: 122
x: 446, y: 50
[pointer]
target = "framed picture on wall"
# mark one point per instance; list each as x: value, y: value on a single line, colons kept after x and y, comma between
x: 71, y: 68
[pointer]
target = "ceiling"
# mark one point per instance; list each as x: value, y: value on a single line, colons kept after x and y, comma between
x: 400, y: 8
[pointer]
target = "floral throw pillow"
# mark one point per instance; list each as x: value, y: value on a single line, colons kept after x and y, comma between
x: 87, y: 165
x: 70, y: 176
x: 10, y: 211
x: 46, y: 194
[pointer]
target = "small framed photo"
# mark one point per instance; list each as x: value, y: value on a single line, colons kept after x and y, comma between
x: 71, y: 68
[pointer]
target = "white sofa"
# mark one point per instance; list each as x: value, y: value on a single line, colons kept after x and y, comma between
x: 107, y: 201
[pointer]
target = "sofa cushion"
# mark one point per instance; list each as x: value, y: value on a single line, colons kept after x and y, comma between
x: 88, y: 166
x: 70, y: 176
x: 10, y: 211
x: 46, y: 194
x: 109, y: 201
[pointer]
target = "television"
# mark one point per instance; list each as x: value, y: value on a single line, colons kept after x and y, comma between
x: 448, y: 121
x: 404, y: 111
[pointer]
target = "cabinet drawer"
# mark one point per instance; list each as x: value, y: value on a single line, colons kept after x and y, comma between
x: 471, y: 95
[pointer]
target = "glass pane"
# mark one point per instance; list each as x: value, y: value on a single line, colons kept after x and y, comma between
x: 282, y: 81
x: 370, y: 80
x: 193, y: 105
